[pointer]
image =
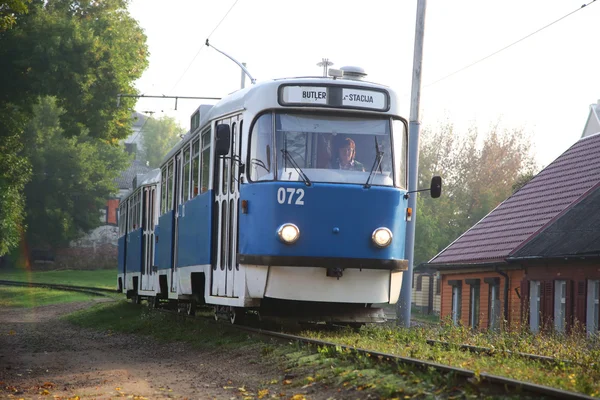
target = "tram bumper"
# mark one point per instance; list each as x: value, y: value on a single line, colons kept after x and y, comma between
x: 372, y: 283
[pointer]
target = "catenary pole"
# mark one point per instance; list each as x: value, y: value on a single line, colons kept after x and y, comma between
x: 414, y: 126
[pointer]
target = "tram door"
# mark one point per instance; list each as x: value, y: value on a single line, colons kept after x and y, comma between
x: 226, y: 187
x: 148, y: 224
x: 177, y: 214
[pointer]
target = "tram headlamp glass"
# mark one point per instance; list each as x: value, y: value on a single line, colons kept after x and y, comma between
x: 382, y: 237
x: 288, y: 233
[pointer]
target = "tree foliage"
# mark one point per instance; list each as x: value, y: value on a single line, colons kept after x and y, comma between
x: 14, y: 173
x: 10, y: 10
x: 83, y: 53
x: 159, y: 136
x: 71, y: 180
x: 478, y: 173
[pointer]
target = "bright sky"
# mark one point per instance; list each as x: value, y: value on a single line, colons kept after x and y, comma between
x: 544, y: 84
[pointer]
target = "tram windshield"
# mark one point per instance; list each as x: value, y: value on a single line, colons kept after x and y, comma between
x: 326, y: 148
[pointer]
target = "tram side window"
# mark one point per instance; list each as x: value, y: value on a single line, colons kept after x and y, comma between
x: 261, y: 149
x: 170, y: 186
x: 205, y: 161
x: 121, y: 218
x: 233, y: 152
x: 136, y: 222
x: 186, y: 174
x: 195, y: 167
x: 130, y: 214
x: 400, y: 151
x: 163, y: 191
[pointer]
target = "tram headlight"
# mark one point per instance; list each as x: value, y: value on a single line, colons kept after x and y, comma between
x: 288, y: 233
x: 382, y: 237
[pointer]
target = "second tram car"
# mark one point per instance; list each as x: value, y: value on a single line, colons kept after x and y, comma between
x: 287, y: 197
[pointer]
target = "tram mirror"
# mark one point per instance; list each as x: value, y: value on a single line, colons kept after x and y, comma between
x: 268, y: 150
x: 223, y: 138
x: 436, y: 187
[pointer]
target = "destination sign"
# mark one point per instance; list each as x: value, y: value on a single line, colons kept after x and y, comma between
x: 334, y: 96
x: 363, y: 98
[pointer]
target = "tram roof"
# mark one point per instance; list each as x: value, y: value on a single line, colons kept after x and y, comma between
x: 264, y: 95
x: 140, y: 180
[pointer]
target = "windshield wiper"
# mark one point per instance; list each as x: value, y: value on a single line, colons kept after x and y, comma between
x: 376, y: 164
x: 288, y: 156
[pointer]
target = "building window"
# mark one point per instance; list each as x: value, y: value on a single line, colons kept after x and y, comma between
x: 419, y: 283
x: 473, y: 302
x: 456, y: 300
x: 593, y: 308
x: 494, y: 310
x: 535, y: 311
x: 438, y: 285
x: 560, y: 305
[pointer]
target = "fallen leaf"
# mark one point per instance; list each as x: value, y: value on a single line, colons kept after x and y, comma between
x: 298, y: 397
x: 287, y: 382
x: 12, y: 333
x: 263, y: 393
x: 48, y: 385
x: 44, y: 392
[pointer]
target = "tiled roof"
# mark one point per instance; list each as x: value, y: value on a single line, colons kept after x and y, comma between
x: 125, y: 181
x: 517, y: 220
x: 576, y: 233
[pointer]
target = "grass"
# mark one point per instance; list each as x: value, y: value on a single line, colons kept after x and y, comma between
x: 125, y: 317
x: 582, y: 376
x: 34, y: 297
x: 303, y: 370
x: 89, y: 278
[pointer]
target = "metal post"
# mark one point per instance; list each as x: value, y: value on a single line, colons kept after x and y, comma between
x: 414, y: 126
x: 243, y: 77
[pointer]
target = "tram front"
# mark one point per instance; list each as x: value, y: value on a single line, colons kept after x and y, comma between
x: 323, y: 213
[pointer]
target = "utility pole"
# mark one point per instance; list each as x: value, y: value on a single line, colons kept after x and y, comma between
x: 414, y: 126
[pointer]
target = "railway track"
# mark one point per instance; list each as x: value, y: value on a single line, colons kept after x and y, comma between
x: 69, y: 288
x: 485, y: 378
x: 490, y: 352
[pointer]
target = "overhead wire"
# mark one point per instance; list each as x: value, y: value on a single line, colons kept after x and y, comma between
x: 509, y: 45
x: 202, y: 46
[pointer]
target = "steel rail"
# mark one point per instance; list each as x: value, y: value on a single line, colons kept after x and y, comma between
x: 490, y: 351
x: 518, y: 386
x: 70, y: 288
x: 392, y: 358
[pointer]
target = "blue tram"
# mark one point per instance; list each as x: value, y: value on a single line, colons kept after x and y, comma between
x: 287, y: 197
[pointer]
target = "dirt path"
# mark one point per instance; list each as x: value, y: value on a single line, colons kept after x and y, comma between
x: 43, y: 357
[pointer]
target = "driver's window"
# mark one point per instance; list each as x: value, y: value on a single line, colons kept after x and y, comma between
x: 261, y: 149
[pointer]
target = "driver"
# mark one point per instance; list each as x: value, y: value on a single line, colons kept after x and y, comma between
x: 345, y: 157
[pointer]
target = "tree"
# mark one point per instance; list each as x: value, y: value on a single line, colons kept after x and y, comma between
x: 10, y: 11
x: 478, y: 173
x: 71, y: 180
x: 159, y: 136
x: 83, y: 53
x: 14, y: 173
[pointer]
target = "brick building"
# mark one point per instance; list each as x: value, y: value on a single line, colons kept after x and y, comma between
x: 536, y: 257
